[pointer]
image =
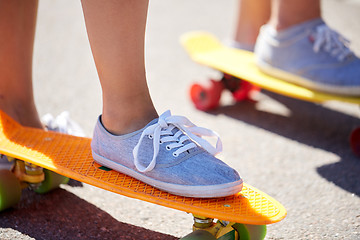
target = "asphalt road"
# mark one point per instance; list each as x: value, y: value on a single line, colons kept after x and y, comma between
x: 295, y: 151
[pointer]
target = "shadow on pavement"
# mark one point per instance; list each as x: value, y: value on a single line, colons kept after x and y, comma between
x: 62, y: 215
x: 310, y: 124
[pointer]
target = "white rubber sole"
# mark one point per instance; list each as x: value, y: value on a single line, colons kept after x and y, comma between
x: 307, y: 83
x: 221, y: 190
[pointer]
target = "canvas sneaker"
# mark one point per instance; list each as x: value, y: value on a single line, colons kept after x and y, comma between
x: 62, y: 123
x: 309, y: 54
x: 169, y: 154
x: 239, y: 45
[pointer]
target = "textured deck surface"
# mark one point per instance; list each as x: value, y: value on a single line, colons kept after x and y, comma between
x: 71, y: 156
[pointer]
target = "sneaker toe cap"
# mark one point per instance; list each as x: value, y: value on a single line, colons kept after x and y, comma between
x: 200, y: 170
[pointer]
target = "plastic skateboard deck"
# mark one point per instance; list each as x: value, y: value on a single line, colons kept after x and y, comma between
x: 205, y: 49
x: 71, y: 156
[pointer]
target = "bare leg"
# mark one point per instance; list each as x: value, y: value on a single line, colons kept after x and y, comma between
x: 286, y: 13
x: 116, y: 31
x: 17, y: 28
x: 252, y: 14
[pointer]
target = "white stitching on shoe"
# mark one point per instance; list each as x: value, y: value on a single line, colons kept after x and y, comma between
x: 186, y: 137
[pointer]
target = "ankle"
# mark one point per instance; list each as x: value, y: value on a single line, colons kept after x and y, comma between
x: 123, y: 122
x: 283, y: 24
x: 24, y: 113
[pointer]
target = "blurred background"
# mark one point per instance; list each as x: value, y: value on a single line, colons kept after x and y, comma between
x: 295, y: 151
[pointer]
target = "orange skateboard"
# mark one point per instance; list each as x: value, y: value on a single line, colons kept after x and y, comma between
x: 60, y: 154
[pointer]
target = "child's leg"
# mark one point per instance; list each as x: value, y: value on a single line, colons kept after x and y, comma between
x: 252, y: 14
x: 160, y: 153
x: 287, y: 13
x: 116, y: 31
x: 298, y: 46
x: 17, y: 28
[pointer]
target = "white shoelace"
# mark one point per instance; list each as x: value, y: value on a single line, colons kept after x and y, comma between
x: 63, y: 124
x: 162, y: 132
x: 331, y: 42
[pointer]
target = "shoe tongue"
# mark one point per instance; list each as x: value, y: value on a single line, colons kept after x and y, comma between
x: 173, y: 131
x: 152, y: 122
x: 156, y: 120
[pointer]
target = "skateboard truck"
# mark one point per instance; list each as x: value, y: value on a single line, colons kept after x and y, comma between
x: 28, y: 173
x: 38, y: 179
x: 206, y: 228
x: 240, y: 89
x: 208, y: 224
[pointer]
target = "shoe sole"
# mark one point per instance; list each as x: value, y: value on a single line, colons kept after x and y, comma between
x: 210, y: 191
x: 307, y: 83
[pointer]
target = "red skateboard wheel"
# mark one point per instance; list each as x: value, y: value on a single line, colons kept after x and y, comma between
x: 206, y: 98
x: 244, y: 91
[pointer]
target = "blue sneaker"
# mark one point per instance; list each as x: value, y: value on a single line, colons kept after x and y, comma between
x: 63, y: 124
x: 242, y: 46
x: 169, y: 154
x: 311, y: 55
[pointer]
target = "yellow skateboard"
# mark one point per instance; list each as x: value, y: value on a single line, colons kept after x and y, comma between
x: 205, y: 49
x: 59, y: 154
x: 242, y: 77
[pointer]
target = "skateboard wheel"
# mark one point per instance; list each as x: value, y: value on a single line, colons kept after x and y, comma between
x: 52, y: 181
x: 10, y: 189
x: 239, y: 88
x: 355, y: 141
x: 206, y: 98
x: 244, y: 91
x: 249, y: 232
x: 199, y: 235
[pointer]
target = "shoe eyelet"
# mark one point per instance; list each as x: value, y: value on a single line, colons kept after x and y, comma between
x: 161, y: 142
x: 150, y: 136
x: 168, y: 148
x: 175, y: 154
